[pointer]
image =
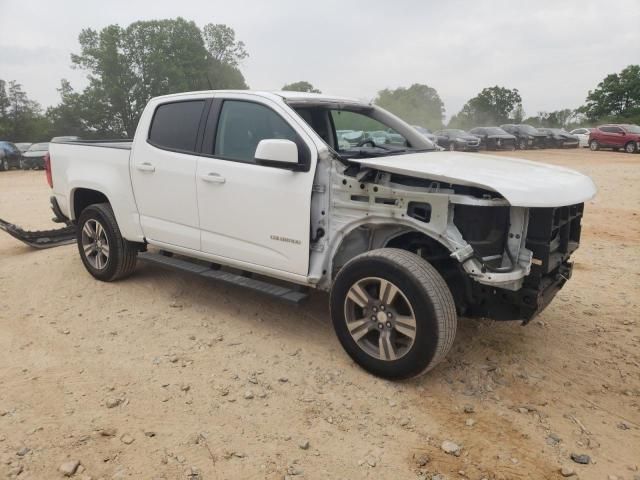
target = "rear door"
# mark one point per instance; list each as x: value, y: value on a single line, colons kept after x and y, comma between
x: 163, y: 172
x: 611, y: 136
x: 253, y: 213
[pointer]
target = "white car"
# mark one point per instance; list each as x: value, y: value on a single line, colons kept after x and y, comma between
x: 583, y: 136
x: 232, y: 184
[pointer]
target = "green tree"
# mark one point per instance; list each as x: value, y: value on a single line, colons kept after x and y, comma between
x: 4, y: 108
x: 301, y: 86
x: 221, y: 75
x: 22, y: 118
x: 557, y: 119
x: 617, y: 97
x: 492, y: 106
x: 220, y: 42
x: 419, y: 104
x: 128, y: 66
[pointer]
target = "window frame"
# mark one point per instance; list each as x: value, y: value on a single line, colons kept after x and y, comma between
x: 199, y: 134
x: 210, y: 135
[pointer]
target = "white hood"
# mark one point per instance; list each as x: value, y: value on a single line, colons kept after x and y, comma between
x: 523, y: 183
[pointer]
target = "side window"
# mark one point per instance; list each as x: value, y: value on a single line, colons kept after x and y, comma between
x: 175, y: 125
x: 241, y: 127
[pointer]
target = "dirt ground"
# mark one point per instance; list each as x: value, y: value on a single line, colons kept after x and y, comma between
x: 166, y: 376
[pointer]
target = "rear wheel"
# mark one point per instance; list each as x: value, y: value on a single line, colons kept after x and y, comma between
x: 594, y: 145
x: 105, y: 254
x: 452, y: 146
x: 522, y: 144
x: 4, y: 166
x: 631, y: 147
x: 393, y: 313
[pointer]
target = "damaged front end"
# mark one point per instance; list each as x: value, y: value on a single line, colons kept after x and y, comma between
x: 500, y: 261
x: 550, y: 236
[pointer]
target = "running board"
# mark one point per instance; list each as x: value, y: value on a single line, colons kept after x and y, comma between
x: 41, y: 238
x: 283, y: 293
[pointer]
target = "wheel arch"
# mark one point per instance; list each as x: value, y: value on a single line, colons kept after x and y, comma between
x: 81, y: 198
x: 365, y: 237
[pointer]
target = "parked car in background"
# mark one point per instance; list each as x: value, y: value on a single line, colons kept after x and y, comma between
x: 616, y: 137
x: 494, y: 138
x: 23, y: 146
x: 9, y: 156
x: 33, y: 159
x: 583, y: 136
x: 68, y: 138
x: 454, y: 139
x: 526, y: 135
x: 559, y: 138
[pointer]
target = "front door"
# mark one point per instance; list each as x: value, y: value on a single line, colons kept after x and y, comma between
x: 252, y: 213
x: 163, y: 171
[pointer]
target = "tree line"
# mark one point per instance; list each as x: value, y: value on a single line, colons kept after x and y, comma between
x: 126, y: 66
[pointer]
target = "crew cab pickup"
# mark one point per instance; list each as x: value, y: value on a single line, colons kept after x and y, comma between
x: 254, y: 188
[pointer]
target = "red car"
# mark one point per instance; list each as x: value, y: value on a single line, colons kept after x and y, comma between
x: 616, y: 137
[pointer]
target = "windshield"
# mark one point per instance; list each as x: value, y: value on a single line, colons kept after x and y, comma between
x: 39, y: 147
x: 632, y: 128
x: 8, y: 146
x: 363, y: 132
x: 495, y: 131
x: 455, y: 132
x: 528, y: 129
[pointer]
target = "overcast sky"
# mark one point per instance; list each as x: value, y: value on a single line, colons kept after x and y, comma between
x: 553, y: 52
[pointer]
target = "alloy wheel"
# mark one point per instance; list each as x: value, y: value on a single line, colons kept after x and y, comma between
x: 95, y: 244
x: 380, y: 319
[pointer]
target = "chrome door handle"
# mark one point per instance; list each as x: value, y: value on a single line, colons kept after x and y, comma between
x: 213, y: 177
x: 145, y: 167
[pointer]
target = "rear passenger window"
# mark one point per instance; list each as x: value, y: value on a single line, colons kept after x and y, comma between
x: 175, y: 125
x: 241, y: 127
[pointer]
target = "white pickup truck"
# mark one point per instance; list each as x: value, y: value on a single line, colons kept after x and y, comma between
x: 260, y: 190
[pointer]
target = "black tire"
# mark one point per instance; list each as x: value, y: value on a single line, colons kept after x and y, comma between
x: 429, y: 300
x: 522, y: 144
x: 121, y: 260
x: 594, y: 146
x: 452, y: 146
x: 631, y: 147
x: 4, y: 165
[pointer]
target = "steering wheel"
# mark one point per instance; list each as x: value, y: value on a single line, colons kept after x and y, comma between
x: 362, y: 143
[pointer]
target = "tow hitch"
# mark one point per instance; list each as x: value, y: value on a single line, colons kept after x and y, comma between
x: 44, y: 238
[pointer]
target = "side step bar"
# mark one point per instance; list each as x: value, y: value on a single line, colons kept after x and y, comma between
x: 284, y: 293
x: 41, y: 238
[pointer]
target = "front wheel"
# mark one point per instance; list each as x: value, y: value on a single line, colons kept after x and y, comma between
x: 4, y: 166
x: 522, y: 144
x: 105, y: 254
x: 452, y: 146
x: 393, y: 313
x: 594, y: 145
x: 630, y: 147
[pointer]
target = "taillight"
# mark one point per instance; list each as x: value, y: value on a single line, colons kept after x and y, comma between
x: 47, y: 168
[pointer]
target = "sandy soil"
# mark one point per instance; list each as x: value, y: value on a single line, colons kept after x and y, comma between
x: 168, y: 376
